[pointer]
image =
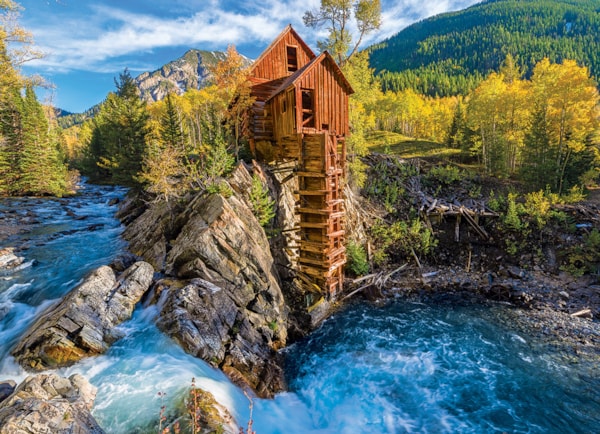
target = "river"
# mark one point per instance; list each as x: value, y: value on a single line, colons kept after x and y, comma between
x: 402, y: 367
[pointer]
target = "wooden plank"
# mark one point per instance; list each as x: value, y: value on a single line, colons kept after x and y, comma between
x: 311, y: 192
x: 336, y: 234
x: 323, y: 212
x: 317, y: 262
x: 313, y: 225
x: 311, y: 174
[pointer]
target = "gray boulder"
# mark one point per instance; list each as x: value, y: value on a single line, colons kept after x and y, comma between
x: 49, y: 404
x: 84, y: 322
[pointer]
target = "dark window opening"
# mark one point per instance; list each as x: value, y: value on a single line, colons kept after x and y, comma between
x: 308, y: 109
x: 284, y: 108
x: 292, y: 59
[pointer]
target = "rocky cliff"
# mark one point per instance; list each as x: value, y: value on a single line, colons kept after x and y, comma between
x: 221, y: 297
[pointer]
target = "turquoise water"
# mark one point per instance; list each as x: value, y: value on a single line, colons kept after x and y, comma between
x: 403, y: 367
x: 410, y: 367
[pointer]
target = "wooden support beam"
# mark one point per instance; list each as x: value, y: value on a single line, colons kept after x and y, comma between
x: 313, y: 225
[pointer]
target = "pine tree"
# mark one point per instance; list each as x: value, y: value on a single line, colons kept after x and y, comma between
x: 455, y: 134
x: 262, y: 204
x: 118, y: 142
x: 538, y: 167
x: 30, y: 162
x: 40, y: 165
x: 171, y: 130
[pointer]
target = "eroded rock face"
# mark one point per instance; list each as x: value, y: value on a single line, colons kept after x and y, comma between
x: 147, y: 234
x: 83, y: 323
x: 231, y: 311
x: 48, y: 403
x: 221, y: 300
x: 210, y: 322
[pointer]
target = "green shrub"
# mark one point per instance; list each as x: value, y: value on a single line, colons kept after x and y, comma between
x: 511, y: 219
x: 574, y: 195
x: 357, y: 259
x: 262, y: 204
x: 584, y: 258
x: 446, y: 174
x: 407, y: 238
x: 220, y: 187
x: 496, y: 202
x: 537, y: 207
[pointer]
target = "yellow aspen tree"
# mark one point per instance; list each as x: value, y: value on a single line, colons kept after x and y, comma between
x: 570, y: 101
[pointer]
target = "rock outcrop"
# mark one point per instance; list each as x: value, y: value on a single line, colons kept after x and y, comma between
x: 221, y: 299
x: 6, y: 389
x: 187, y: 72
x: 9, y: 261
x: 83, y: 323
x: 47, y: 403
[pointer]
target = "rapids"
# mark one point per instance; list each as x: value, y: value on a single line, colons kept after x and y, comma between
x: 402, y: 367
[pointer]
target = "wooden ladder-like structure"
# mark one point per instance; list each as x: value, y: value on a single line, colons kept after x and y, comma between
x: 320, y: 208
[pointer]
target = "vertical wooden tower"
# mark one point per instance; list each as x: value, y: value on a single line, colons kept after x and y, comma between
x: 301, y: 114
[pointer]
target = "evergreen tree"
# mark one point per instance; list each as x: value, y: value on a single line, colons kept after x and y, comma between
x: 262, y: 204
x: 171, y: 130
x: 118, y: 142
x: 40, y: 165
x: 448, y: 54
x: 455, y: 134
x: 539, y: 166
x: 30, y: 162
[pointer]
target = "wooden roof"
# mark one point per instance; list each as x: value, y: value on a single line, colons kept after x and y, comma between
x: 302, y: 72
x: 288, y: 29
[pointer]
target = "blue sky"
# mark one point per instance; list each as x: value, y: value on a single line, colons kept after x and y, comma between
x: 89, y: 42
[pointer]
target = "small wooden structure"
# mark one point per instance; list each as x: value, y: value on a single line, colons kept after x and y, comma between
x: 300, y: 113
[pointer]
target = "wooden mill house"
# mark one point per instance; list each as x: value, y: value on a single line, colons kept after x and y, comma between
x: 300, y: 114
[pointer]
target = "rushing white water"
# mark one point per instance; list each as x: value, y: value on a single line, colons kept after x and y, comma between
x: 404, y: 367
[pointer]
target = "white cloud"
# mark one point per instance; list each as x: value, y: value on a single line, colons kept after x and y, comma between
x: 96, y: 41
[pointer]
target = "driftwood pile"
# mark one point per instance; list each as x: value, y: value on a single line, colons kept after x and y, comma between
x: 376, y: 280
x: 471, y: 210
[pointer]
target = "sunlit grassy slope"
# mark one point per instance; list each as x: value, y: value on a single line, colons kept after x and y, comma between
x: 392, y: 143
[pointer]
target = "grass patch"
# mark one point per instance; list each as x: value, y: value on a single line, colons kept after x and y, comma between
x: 386, y: 142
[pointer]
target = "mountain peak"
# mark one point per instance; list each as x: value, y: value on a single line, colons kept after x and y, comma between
x: 187, y: 72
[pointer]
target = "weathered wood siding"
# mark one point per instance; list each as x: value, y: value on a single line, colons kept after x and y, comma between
x: 283, y: 106
x: 274, y: 63
x: 260, y: 124
x: 330, y: 100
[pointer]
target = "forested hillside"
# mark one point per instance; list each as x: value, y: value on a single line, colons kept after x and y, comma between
x: 32, y: 161
x: 450, y: 53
